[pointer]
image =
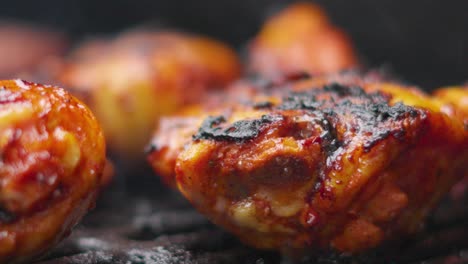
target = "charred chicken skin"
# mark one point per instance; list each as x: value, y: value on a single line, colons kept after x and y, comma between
x: 326, y: 164
x: 300, y: 38
x: 133, y: 80
x: 175, y: 131
x: 52, y: 156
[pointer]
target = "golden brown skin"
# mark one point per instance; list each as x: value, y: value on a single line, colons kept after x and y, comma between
x: 300, y: 38
x: 456, y: 99
x: 330, y: 166
x: 133, y: 80
x: 53, y: 155
x: 23, y: 48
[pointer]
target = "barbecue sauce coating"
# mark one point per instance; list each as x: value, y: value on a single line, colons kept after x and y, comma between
x: 52, y: 154
x: 345, y: 164
x: 300, y: 38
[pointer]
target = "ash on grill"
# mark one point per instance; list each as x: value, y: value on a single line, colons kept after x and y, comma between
x: 148, y: 224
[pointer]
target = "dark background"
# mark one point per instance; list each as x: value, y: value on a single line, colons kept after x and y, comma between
x: 425, y: 42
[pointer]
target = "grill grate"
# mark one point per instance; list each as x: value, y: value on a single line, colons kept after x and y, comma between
x: 159, y: 226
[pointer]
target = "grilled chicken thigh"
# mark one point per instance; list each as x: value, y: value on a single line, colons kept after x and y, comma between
x: 337, y: 162
x: 52, y: 157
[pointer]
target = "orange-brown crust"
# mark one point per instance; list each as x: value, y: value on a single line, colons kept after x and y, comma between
x: 301, y: 38
x: 328, y: 166
x: 53, y: 154
x: 456, y: 100
x: 133, y: 80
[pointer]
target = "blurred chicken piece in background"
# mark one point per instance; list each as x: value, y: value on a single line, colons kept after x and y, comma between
x: 301, y: 38
x: 131, y: 81
x: 23, y: 47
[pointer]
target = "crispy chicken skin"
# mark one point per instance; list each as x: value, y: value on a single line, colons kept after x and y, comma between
x: 52, y: 156
x: 300, y: 38
x: 133, y: 80
x: 336, y: 163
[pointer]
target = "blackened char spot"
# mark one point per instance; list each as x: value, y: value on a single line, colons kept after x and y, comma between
x: 307, y: 100
x: 370, y: 111
x: 299, y: 100
x: 371, y: 115
x: 210, y: 127
x: 382, y: 111
x: 239, y: 131
x: 329, y: 137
